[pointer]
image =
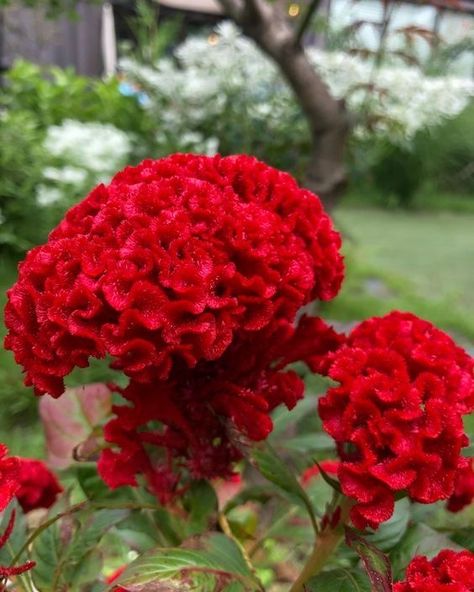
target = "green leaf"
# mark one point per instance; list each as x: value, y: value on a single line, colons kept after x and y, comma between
x: 94, y: 487
x: 465, y: 538
x: 47, y: 553
x: 255, y: 493
x: 391, y: 532
x: 469, y: 450
x: 66, y: 551
x: 214, y: 555
x: 234, y: 587
x: 282, y: 419
x: 201, y: 502
x: 307, y: 443
x: 79, y: 552
x: 18, y: 536
x: 334, y: 483
x: 377, y: 564
x: 275, y: 470
x: 339, y: 580
x: 419, y: 539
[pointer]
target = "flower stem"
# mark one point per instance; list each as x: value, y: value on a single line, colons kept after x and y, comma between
x: 324, y: 546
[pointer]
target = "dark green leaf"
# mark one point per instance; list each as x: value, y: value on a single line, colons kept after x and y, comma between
x: 66, y: 551
x: 419, y: 540
x: 465, y: 538
x: 282, y: 419
x: 18, y: 536
x: 201, y: 502
x: 339, y: 580
x: 391, y: 532
x: 47, y: 554
x: 139, y: 532
x: 213, y: 555
x: 376, y: 563
x: 74, y: 559
x: 94, y: 487
x: 334, y: 483
x: 307, y: 443
x: 275, y: 470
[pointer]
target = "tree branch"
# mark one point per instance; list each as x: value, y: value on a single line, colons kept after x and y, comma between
x: 233, y: 8
x: 306, y: 20
x: 271, y: 30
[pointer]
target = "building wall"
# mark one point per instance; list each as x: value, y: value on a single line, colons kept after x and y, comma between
x: 28, y: 34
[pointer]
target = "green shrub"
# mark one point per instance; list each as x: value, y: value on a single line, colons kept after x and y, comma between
x: 449, y: 152
x: 22, y: 158
x: 398, y: 172
x: 53, y: 94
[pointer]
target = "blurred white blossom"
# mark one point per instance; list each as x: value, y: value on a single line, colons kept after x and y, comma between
x: 96, y: 147
x: 205, y: 82
x: 67, y: 174
x: 46, y: 196
x: 86, y: 154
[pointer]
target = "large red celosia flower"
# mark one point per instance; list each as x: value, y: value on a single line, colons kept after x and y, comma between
x: 396, y: 415
x: 463, y: 494
x: 8, y: 477
x: 207, y: 413
x: 38, y: 486
x: 449, y: 571
x: 168, y: 265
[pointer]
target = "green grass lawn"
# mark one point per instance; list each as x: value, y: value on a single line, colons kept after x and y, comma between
x: 418, y: 261
x: 414, y: 261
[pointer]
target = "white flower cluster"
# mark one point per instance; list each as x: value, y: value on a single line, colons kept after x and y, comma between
x: 86, y: 154
x: 209, y: 78
x: 399, y: 100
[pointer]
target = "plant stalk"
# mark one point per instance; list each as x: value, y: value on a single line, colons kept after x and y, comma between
x: 325, y: 545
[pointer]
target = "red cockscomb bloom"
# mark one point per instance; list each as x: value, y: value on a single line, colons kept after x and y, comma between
x: 168, y: 265
x: 38, y: 486
x: 449, y: 571
x: 8, y: 477
x: 206, y: 414
x: 463, y: 488
x: 396, y: 415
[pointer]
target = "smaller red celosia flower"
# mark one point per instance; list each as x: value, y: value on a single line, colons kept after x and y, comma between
x: 8, y: 572
x: 463, y: 488
x: 38, y: 486
x: 8, y: 477
x: 396, y: 414
x: 329, y: 466
x: 449, y: 571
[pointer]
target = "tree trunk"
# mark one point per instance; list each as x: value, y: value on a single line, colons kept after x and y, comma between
x: 327, y: 118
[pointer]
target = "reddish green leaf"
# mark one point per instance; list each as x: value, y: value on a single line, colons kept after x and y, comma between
x: 70, y: 420
x: 377, y: 564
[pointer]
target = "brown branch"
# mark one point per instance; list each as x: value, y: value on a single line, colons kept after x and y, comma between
x: 306, y: 20
x: 269, y: 27
x: 233, y: 8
